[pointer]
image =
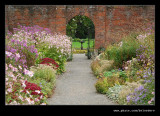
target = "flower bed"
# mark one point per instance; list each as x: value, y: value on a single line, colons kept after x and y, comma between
x: 27, y: 82
x: 131, y: 80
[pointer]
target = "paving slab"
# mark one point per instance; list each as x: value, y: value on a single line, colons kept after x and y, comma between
x: 77, y: 85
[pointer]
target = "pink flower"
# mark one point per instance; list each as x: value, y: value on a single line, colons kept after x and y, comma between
x: 20, y: 97
x: 6, y: 67
x: 153, y: 93
x: 10, y: 66
x: 149, y: 102
x: 30, y: 73
x: 17, y: 55
x: 8, y: 53
x: 36, y: 99
x: 126, y: 68
x: 9, y: 90
x: 10, y: 74
x: 27, y: 72
x: 14, y: 78
x: 14, y: 69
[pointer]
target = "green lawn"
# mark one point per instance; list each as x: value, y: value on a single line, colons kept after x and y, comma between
x: 77, y: 45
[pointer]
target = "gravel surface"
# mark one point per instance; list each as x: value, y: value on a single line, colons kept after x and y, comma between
x: 76, y: 85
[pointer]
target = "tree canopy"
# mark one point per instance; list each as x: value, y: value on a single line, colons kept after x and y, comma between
x: 80, y: 27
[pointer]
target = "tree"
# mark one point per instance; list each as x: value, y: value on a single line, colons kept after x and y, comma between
x: 80, y: 27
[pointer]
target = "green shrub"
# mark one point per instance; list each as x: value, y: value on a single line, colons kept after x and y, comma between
x: 102, y: 85
x: 47, y: 87
x: 126, y: 90
x: 113, y: 92
x: 76, y: 40
x: 44, y: 76
x: 118, y: 75
x: 105, y: 65
x: 94, y: 66
x: 109, y: 73
x: 122, y: 74
x: 124, y: 52
x: 44, y: 72
x: 58, y: 57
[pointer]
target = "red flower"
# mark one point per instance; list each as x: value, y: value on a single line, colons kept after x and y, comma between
x: 40, y: 94
x: 24, y: 91
x: 32, y: 86
x: 10, y: 101
x: 49, y: 60
x: 34, y: 93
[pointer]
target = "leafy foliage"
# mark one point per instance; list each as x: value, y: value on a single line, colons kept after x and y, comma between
x: 80, y: 27
x: 58, y: 57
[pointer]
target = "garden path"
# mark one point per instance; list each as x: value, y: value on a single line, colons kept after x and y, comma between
x: 76, y: 85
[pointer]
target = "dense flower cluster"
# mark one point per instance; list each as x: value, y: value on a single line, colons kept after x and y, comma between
x: 22, y: 47
x: 35, y: 89
x: 23, y: 50
x: 138, y: 75
x: 18, y: 90
x: 145, y: 57
x: 61, y: 41
x: 49, y: 60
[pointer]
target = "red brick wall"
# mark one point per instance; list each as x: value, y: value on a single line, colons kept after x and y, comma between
x: 111, y: 22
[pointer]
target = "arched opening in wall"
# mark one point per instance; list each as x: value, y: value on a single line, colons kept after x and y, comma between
x: 82, y: 30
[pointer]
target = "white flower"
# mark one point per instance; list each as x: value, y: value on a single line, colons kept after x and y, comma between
x: 28, y: 100
x: 41, y: 96
x: 10, y: 66
x: 27, y: 72
x: 43, y: 104
x: 27, y: 92
x: 30, y: 73
x: 126, y: 68
x: 10, y: 74
x: 20, y: 97
x: 15, y: 78
x: 13, y: 103
x: 8, y: 53
x: 21, y: 90
x: 14, y: 69
x: 23, y: 85
x: 32, y: 102
x: 20, y: 67
x: 37, y: 91
x: 17, y: 55
x: 6, y: 79
x: 9, y: 90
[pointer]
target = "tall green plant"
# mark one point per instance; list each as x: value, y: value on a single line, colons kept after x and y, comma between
x: 58, y: 57
x: 123, y: 53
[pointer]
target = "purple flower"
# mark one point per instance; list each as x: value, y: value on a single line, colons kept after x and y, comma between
x: 13, y: 50
x: 136, y: 99
x: 144, y: 96
x: 25, y: 44
x: 12, y: 40
x: 128, y: 98
x: 140, y: 88
x: 145, y: 76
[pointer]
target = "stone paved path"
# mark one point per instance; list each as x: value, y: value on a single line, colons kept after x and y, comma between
x: 76, y: 85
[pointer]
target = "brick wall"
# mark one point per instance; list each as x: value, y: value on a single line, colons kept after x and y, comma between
x: 111, y: 22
